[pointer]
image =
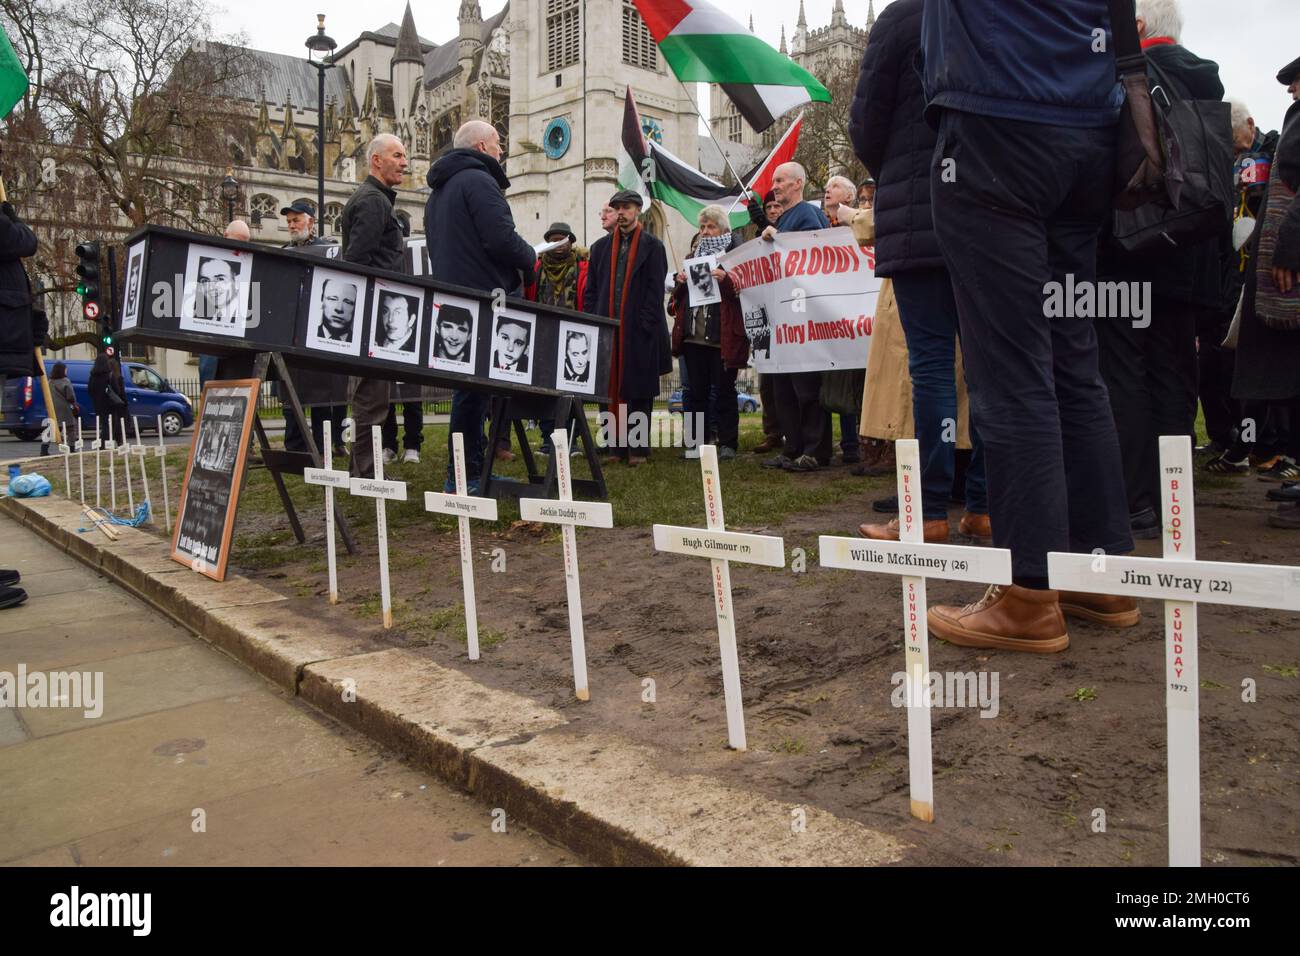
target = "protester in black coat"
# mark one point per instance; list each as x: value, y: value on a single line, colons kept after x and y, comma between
x: 894, y: 142
x: 22, y: 327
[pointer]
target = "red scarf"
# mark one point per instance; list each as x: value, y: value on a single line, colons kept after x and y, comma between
x: 1156, y: 41
x: 619, y: 295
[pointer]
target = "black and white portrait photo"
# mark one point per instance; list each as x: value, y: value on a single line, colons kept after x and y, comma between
x: 758, y: 329
x: 395, y: 322
x: 218, y: 286
x: 218, y: 446
x: 451, y: 346
x: 334, y: 313
x: 576, y: 364
x: 512, y: 346
x: 701, y: 284
x: 134, y: 294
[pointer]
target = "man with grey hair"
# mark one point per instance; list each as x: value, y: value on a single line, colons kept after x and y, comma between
x: 372, y: 236
x: 472, y: 242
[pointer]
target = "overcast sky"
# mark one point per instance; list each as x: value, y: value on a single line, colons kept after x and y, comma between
x: 1250, y: 41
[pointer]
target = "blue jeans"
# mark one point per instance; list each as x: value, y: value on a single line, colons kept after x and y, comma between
x: 850, y: 443
x: 928, y: 312
x: 468, y: 413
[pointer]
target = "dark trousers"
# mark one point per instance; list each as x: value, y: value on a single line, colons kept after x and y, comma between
x: 634, y: 416
x: 807, y: 426
x: 468, y: 413
x: 334, y: 414
x: 927, y: 310
x: 1024, y: 209
x: 370, y: 403
x: 850, y: 443
x: 711, y: 385
x: 1214, y: 367
x: 767, y: 399
x: 1151, y: 376
x: 412, y: 426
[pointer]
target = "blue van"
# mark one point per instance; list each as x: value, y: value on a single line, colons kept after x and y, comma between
x: 147, y: 392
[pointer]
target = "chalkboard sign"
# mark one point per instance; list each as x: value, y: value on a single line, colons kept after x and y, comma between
x: 216, y: 469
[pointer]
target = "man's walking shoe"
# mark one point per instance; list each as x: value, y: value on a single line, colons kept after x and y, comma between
x: 390, y: 456
x: 1283, y: 470
x: 935, y: 532
x: 803, y: 463
x: 871, y: 451
x: 976, y: 526
x: 1290, y: 491
x: 1008, y: 617
x: 779, y: 461
x: 410, y: 457
x: 726, y: 453
x: 1287, y: 516
x: 850, y: 457
x: 9, y: 578
x: 767, y: 444
x: 1144, y: 524
x: 12, y: 597
x: 886, y: 464
x: 1108, y: 610
x: 885, y: 506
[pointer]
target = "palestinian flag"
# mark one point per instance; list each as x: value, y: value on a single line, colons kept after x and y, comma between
x: 656, y: 173
x: 13, y: 78
x: 704, y: 45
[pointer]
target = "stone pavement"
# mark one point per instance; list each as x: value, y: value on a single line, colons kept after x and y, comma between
x: 186, y: 729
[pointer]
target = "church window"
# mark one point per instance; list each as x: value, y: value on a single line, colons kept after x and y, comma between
x: 334, y: 216
x: 263, y: 205
x: 563, y: 33
x: 733, y: 128
x: 638, y: 45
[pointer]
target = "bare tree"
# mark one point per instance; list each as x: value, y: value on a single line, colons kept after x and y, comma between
x: 825, y: 149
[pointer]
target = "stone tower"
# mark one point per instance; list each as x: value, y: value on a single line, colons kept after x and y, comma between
x: 408, y: 70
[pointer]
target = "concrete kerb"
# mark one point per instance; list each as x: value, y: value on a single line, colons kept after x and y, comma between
x: 506, y: 749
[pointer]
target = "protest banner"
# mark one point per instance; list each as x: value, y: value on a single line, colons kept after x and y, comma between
x: 808, y: 299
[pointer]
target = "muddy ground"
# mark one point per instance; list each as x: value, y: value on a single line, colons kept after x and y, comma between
x: 1075, y: 733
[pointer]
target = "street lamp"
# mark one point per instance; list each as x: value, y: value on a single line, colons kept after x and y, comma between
x: 324, y: 45
x: 230, y: 192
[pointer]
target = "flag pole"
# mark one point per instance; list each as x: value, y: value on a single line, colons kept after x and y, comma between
x: 725, y: 158
x: 759, y: 169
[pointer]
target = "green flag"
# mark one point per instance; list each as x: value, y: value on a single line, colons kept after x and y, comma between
x: 13, y: 78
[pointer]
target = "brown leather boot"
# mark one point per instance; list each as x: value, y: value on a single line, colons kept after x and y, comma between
x: 769, y: 443
x: 976, y: 526
x: 1108, y: 610
x: 935, y: 532
x: 871, y: 449
x: 885, y: 464
x: 1007, y: 617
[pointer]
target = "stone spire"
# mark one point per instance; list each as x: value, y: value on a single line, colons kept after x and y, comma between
x: 800, y: 33
x: 263, y: 113
x: 469, y: 12
x: 289, y: 127
x: 838, y: 18
x: 803, y: 20
x: 871, y: 13
x: 751, y: 23
x: 783, y: 49
x: 408, y: 41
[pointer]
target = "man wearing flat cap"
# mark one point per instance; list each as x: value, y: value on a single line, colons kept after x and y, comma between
x: 627, y: 270
x: 561, y: 279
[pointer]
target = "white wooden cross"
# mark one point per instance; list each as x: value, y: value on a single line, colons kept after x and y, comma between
x: 464, y: 506
x: 330, y: 478
x: 1181, y: 582
x: 570, y: 514
x: 79, y: 446
x: 96, y: 445
x: 161, y: 452
x: 124, y: 450
x: 722, y: 547
x: 65, y: 447
x: 382, y: 491
x: 914, y: 561
x: 139, y: 449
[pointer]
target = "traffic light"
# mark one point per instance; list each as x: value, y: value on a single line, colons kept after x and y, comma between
x: 88, y: 287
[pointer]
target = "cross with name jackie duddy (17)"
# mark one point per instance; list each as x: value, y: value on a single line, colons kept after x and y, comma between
x: 1181, y: 582
x: 463, y: 506
x: 381, y: 491
x: 569, y: 514
x: 913, y: 560
x: 721, y: 547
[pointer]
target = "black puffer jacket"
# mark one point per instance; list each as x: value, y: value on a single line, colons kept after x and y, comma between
x: 21, y: 327
x: 1192, y: 274
x: 892, y: 139
x: 469, y: 226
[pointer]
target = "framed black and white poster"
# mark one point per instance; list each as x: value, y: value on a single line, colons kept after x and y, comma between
x: 575, y: 367
x: 452, y: 342
x: 512, y: 346
x: 395, y: 321
x: 134, y: 295
x: 700, y: 282
x: 210, y: 492
x: 334, y: 312
x: 218, y: 287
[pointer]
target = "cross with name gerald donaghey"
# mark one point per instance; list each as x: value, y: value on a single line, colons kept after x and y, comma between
x: 329, y: 479
x: 463, y: 506
x: 569, y: 514
x: 1181, y: 582
x: 913, y: 560
x: 722, y: 547
x: 382, y: 491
